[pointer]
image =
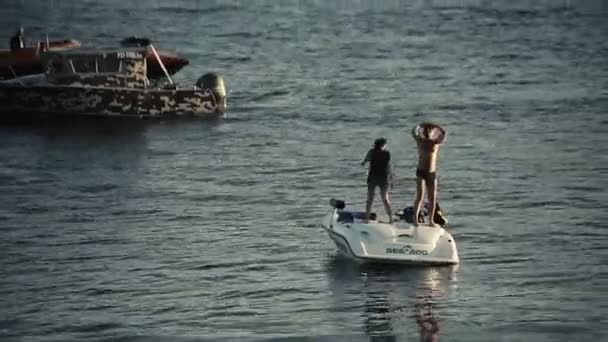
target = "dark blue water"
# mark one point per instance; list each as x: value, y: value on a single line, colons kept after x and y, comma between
x: 192, y: 230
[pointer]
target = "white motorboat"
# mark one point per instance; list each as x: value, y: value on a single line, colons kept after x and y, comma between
x: 379, y: 242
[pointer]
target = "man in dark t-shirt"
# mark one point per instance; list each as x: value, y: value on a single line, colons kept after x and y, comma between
x: 379, y: 175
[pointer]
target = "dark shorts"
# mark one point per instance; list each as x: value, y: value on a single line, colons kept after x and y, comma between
x: 429, y: 177
x: 381, y: 183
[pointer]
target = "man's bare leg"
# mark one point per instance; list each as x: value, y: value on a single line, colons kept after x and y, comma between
x: 387, y: 204
x: 418, y: 200
x: 432, y: 201
x: 370, y: 201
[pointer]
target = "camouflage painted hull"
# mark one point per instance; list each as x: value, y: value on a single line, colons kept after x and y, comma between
x: 51, y: 101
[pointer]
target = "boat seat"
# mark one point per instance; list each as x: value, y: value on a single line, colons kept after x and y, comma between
x: 350, y: 216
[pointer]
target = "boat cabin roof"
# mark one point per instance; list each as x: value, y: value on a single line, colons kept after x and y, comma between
x: 123, y: 67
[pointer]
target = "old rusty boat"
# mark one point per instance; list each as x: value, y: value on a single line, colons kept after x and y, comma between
x: 29, y: 60
x: 107, y: 83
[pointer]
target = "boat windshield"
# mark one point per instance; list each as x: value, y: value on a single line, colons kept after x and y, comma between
x: 109, y: 64
x: 86, y: 64
x: 98, y: 68
x: 57, y: 66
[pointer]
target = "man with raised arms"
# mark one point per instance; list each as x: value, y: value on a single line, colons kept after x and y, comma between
x: 429, y: 137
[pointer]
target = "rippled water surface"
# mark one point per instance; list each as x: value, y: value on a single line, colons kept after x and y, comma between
x: 195, y: 230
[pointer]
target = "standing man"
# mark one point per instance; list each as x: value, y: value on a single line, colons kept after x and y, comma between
x: 17, y: 41
x: 379, y: 175
x: 428, y: 138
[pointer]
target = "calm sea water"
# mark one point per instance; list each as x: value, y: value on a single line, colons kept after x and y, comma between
x: 191, y: 230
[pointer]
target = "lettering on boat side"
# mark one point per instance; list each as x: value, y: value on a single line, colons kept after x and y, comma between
x: 128, y: 54
x: 407, y: 249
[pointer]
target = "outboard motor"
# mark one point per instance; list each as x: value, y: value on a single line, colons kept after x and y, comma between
x: 215, y: 84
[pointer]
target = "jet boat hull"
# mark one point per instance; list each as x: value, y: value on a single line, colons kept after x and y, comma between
x: 377, y: 242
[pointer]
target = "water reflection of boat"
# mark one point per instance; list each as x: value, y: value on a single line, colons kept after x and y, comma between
x: 397, y: 303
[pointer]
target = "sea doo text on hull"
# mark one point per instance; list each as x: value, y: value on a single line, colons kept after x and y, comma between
x: 387, y: 243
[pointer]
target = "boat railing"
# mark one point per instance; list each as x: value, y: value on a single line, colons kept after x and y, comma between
x: 15, y: 76
x: 160, y: 62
